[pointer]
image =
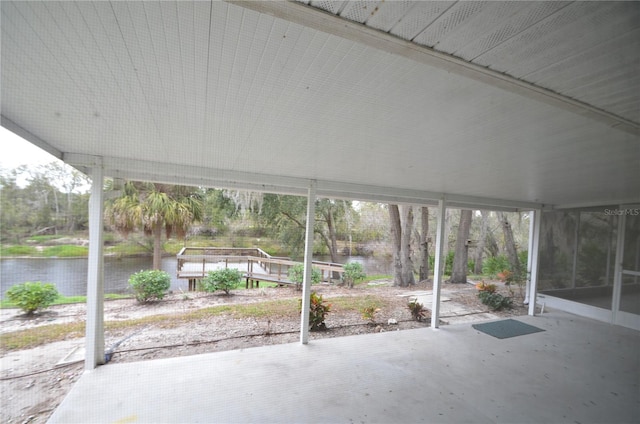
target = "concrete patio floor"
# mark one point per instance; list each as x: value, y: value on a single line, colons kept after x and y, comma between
x: 576, y: 371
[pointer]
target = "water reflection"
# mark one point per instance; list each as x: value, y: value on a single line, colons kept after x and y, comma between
x: 70, y: 275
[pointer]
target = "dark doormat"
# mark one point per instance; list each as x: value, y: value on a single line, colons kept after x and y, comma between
x: 506, y: 328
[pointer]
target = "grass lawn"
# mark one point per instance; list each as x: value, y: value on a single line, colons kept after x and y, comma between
x: 65, y: 300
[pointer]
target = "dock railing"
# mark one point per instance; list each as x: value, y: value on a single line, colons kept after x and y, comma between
x: 194, y: 263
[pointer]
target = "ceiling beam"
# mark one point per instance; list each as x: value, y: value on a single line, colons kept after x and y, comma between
x: 169, y: 173
x: 328, y: 23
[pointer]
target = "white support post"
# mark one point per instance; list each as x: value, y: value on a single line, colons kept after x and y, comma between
x: 94, y: 344
x: 529, y: 258
x: 534, y: 247
x: 308, y: 262
x: 617, y: 269
x: 438, y: 268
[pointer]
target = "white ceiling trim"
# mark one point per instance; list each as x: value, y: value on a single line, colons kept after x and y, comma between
x: 137, y: 170
x: 311, y: 17
x: 124, y: 168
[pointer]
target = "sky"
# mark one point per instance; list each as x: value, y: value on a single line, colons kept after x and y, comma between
x: 16, y: 151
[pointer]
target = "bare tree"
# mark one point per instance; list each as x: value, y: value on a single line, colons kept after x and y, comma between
x: 396, y: 241
x: 408, y: 277
x: 68, y: 180
x: 424, y: 243
x: 459, y: 274
x: 327, y: 209
x: 509, y: 243
x: 448, y: 218
x: 484, y: 225
x: 491, y: 244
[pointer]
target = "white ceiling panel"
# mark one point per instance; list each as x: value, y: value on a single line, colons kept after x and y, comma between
x: 509, y: 20
x: 502, y: 103
x: 522, y: 39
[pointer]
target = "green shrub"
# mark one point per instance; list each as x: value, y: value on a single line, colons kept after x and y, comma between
x: 225, y: 279
x: 495, y: 301
x: 471, y: 265
x: 296, y: 274
x: 417, y: 310
x: 353, y: 273
x: 523, y: 257
x: 318, y: 310
x: 150, y: 285
x: 32, y: 296
x: 448, y: 263
x: 495, y: 264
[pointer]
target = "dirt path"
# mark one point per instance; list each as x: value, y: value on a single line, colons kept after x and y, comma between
x: 32, y: 385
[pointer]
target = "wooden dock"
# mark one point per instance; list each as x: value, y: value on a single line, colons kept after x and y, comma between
x: 194, y: 263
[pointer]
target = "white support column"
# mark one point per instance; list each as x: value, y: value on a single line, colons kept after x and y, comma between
x: 534, y: 247
x: 617, y: 269
x: 438, y: 265
x: 94, y: 344
x: 529, y: 258
x: 308, y: 259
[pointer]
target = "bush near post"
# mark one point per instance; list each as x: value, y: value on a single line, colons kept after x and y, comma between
x: 296, y: 274
x: 353, y: 272
x: 32, y: 296
x: 149, y: 286
x: 222, y: 279
x: 488, y: 296
x: 318, y: 310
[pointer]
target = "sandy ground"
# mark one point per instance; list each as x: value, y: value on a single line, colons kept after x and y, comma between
x: 33, y: 383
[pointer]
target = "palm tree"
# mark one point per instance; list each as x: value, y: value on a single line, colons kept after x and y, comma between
x: 154, y: 208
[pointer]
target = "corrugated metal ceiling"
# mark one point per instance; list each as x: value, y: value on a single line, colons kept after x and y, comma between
x: 500, y: 103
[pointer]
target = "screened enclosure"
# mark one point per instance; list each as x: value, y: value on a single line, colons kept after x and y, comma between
x: 630, y: 288
x: 578, y: 254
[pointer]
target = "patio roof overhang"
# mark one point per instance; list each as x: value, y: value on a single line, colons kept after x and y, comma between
x: 503, y: 105
x: 516, y: 105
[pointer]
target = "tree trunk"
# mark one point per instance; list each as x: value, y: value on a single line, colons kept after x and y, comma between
x: 157, y: 247
x: 408, y: 278
x: 424, y: 243
x: 447, y: 235
x: 477, y: 268
x: 491, y: 244
x: 70, y: 217
x: 329, y: 236
x: 460, y: 259
x: 396, y: 242
x: 333, y: 248
x: 509, y: 243
x: 57, y: 219
x: 401, y: 224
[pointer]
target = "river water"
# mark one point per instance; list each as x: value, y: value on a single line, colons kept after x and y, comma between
x: 70, y: 275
